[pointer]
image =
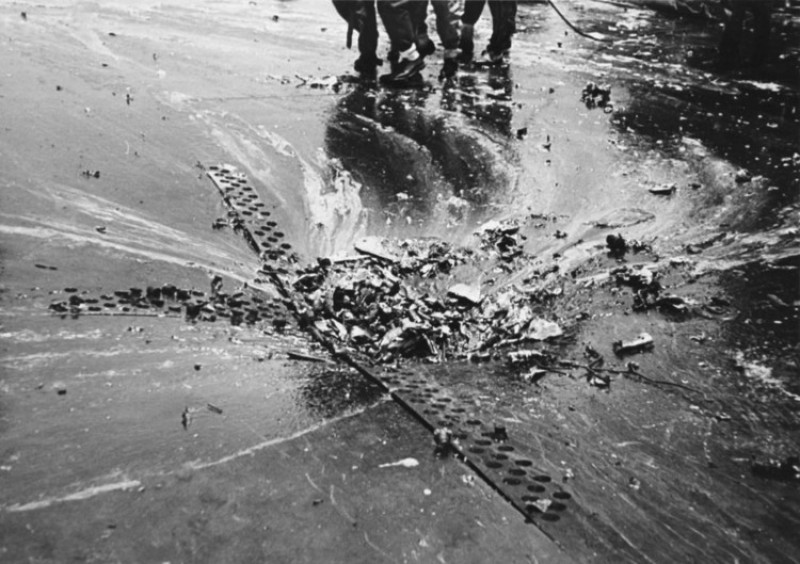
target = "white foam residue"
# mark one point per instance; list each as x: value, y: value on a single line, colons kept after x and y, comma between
x: 771, y: 86
x: 76, y: 496
x: 250, y: 451
x: 762, y: 374
x: 337, y: 214
x: 405, y: 463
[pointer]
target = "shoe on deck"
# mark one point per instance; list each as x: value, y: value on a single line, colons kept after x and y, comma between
x: 404, y: 72
x: 426, y: 47
x: 449, y: 68
x: 492, y: 58
x: 367, y: 67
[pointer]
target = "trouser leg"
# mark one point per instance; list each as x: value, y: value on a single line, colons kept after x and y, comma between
x: 504, y: 22
x: 444, y: 27
x: 368, y: 34
x: 419, y: 13
x: 399, y: 25
x: 472, y: 11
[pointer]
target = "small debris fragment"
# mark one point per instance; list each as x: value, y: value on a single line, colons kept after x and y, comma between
x: 525, y: 357
x: 665, y: 190
x: 405, y: 463
x: 214, y: 409
x: 445, y: 443
x: 468, y: 292
x: 617, y: 246
x: 542, y: 504
x: 643, y: 342
x: 742, y: 176
x: 294, y: 355
x: 596, y: 95
x: 186, y: 418
x: 216, y: 284
x: 100, y: 228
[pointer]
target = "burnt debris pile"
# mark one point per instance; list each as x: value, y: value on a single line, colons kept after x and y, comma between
x: 403, y: 300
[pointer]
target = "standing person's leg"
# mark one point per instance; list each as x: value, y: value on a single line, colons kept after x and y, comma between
x: 444, y: 26
x: 504, y: 24
x: 448, y: 35
x: 419, y: 13
x: 368, y: 60
x: 400, y: 27
x: 472, y: 13
x: 360, y: 16
x: 398, y: 24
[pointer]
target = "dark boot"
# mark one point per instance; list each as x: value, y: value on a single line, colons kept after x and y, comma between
x: 367, y: 66
x: 409, y: 65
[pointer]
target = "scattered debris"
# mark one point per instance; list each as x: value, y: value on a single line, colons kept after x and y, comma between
x: 500, y: 433
x: 90, y: 173
x: 446, y: 444
x: 326, y: 82
x: 664, y: 190
x: 641, y: 343
x: 742, y: 176
x: 617, y: 246
x: 405, y: 463
x: 469, y: 292
x: 542, y: 504
x: 186, y: 418
x: 216, y: 285
x: 597, y: 96
x: 527, y: 357
x: 214, y: 409
x: 295, y: 355
x: 382, y: 305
